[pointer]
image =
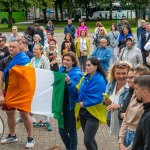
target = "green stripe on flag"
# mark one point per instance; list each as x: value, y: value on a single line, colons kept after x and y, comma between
x: 58, y: 97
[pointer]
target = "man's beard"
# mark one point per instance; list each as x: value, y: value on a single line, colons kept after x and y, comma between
x: 139, y: 101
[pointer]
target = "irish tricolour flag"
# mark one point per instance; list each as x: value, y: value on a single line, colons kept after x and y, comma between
x: 36, y: 90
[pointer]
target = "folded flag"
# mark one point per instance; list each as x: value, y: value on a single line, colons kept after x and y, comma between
x: 36, y: 90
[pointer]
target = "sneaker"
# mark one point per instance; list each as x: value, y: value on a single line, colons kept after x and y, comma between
x: 9, y: 139
x: 39, y: 124
x: 19, y: 119
x: 30, y: 142
x: 33, y: 119
x: 48, y: 126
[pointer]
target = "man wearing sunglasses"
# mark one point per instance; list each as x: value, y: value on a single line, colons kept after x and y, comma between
x: 3, y: 48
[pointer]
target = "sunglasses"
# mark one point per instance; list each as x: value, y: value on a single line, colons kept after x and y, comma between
x: 101, y: 30
x: 121, y: 65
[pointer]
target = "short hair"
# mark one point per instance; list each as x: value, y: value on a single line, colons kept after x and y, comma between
x: 103, y: 39
x: 143, y: 21
x: 36, y: 25
x: 143, y: 81
x: 37, y: 35
x: 48, y: 33
x: 3, y: 38
x: 99, y: 24
x: 24, y: 41
x: 42, y: 28
x: 14, y: 27
x: 69, y: 19
x: 142, y: 70
x: 72, y: 55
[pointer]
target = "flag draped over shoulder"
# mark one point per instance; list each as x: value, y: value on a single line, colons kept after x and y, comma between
x: 20, y: 59
x: 36, y: 90
x: 91, y: 93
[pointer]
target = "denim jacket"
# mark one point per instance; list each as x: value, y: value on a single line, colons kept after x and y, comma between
x: 109, y: 90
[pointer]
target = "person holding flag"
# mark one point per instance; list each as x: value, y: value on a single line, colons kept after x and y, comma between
x: 15, y: 58
x: 73, y: 76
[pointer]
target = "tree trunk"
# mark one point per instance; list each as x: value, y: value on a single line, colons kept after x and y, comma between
x: 136, y: 16
x: 10, y: 21
x: 111, y: 9
x: 86, y: 7
x: 68, y: 9
x: 61, y: 11
x: 45, y: 17
x: 56, y: 12
x: 144, y: 15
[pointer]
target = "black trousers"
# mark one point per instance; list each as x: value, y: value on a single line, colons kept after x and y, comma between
x: 89, y: 126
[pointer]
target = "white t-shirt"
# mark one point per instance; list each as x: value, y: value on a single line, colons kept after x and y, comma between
x: 147, y: 46
x: 83, y: 44
x: 114, y: 126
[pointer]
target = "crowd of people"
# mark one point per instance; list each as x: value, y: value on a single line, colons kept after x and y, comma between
x: 117, y: 66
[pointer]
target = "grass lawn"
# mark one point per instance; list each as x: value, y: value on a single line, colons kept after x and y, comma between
x: 60, y: 26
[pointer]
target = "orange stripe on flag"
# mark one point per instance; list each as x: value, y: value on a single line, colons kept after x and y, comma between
x: 21, y: 88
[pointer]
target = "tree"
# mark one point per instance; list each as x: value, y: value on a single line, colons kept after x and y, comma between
x: 44, y: 4
x: 60, y: 4
x: 107, y: 4
x: 138, y: 5
x: 15, y: 5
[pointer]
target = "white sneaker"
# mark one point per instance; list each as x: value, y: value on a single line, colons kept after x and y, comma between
x: 9, y: 139
x: 30, y: 142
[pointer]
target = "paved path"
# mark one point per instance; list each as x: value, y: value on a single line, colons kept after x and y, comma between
x: 45, y: 140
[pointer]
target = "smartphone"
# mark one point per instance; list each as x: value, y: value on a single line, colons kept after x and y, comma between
x: 106, y: 96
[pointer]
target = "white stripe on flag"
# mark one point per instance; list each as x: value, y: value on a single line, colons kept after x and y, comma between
x: 42, y: 99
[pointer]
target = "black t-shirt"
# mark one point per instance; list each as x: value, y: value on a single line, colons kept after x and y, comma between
x: 4, y: 52
x: 3, y: 64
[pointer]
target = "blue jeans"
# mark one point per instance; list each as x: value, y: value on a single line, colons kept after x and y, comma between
x: 69, y: 133
x: 129, y: 137
x: 114, y: 56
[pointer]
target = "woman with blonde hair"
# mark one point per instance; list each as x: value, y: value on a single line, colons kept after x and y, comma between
x: 117, y: 90
x: 82, y: 48
x: 102, y: 34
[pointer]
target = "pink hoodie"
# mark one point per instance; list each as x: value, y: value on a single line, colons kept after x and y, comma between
x: 82, y: 28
